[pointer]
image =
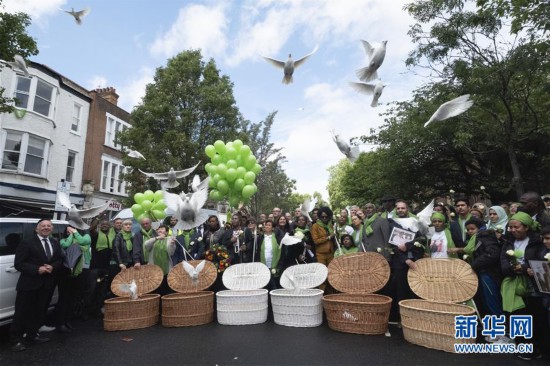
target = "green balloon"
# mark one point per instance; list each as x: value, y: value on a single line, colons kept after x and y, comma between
x: 256, y: 169
x: 217, y: 159
x: 231, y: 164
x: 231, y: 174
x: 223, y: 186
x: 213, y: 170
x: 237, y: 145
x: 229, y: 145
x: 241, y: 171
x: 234, y: 201
x: 210, y: 151
x: 216, y: 178
x: 221, y: 169
x: 137, y: 209
x: 220, y: 147
x: 246, y: 201
x: 215, y: 195
x: 149, y: 195
x: 250, y: 162
x: 159, y: 195
x: 158, y: 214
x: 255, y: 187
x: 139, y: 197
x: 159, y: 205
x: 231, y: 153
x: 147, y: 205
x: 211, y: 183
x: 144, y: 215
x: 245, y: 151
x: 249, y: 177
x: 239, y: 185
x: 207, y: 167
x: 248, y: 191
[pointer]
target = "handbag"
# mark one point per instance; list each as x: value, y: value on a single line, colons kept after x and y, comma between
x: 71, y: 256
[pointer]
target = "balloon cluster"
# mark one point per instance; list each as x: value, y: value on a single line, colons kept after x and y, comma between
x: 150, y: 205
x: 232, y: 170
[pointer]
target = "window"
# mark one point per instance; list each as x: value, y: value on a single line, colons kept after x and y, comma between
x: 111, y: 173
x: 70, y: 166
x: 113, y: 128
x: 24, y: 153
x: 34, y: 94
x: 76, y: 117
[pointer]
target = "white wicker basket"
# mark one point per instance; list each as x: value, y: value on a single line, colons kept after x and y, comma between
x: 300, y: 307
x: 246, y: 301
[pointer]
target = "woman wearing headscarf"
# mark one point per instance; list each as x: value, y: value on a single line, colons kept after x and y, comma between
x: 347, y: 246
x: 441, y: 244
x: 498, y: 220
x: 521, y: 244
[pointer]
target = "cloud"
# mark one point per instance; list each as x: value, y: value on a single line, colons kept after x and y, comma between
x: 37, y: 10
x: 197, y: 26
x: 97, y: 81
x: 132, y: 92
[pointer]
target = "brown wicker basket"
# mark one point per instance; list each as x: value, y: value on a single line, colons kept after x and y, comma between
x: 357, y: 310
x: 122, y: 313
x: 191, y: 306
x: 431, y: 323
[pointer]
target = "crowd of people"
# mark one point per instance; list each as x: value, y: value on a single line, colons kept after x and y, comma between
x: 499, y: 241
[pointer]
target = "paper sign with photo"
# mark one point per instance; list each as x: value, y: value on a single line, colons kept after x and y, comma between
x: 542, y: 275
x: 400, y: 236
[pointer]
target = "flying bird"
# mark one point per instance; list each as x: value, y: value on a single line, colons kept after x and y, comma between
x: 351, y: 152
x: 197, y: 185
x: 290, y: 240
x: 130, y: 288
x: 19, y: 64
x: 451, y: 108
x: 188, y: 209
x: 307, y: 207
x: 419, y: 223
x: 171, y: 176
x: 78, y: 15
x: 75, y: 216
x: 289, y: 65
x: 369, y: 89
x: 376, y: 57
x: 193, y: 272
x: 136, y: 155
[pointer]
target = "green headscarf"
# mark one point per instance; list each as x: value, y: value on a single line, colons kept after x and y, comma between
x: 526, y: 220
x: 439, y: 216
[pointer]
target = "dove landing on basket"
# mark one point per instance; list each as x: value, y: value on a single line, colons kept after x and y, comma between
x: 193, y: 272
x: 130, y: 289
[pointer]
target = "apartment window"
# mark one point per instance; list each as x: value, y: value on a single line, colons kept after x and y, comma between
x: 24, y: 153
x: 34, y: 94
x: 71, y: 160
x: 76, y: 117
x: 113, y: 128
x: 111, y: 173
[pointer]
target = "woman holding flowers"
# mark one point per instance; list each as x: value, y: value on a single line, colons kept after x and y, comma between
x: 521, y: 244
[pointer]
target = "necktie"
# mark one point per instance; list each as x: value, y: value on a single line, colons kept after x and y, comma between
x: 47, y: 247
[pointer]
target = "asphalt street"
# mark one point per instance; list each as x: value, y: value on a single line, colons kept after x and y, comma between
x: 214, y: 344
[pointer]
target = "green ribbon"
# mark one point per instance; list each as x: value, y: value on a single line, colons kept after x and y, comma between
x: 275, y: 252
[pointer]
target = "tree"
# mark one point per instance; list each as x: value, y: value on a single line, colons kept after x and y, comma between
x: 274, y: 186
x: 188, y: 106
x: 530, y: 15
x: 14, y: 40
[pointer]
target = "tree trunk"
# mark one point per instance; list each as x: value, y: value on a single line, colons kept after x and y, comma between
x: 517, y: 181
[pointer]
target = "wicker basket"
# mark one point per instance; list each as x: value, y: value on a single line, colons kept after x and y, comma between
x: 299, y: 307
x: 357, y: 310
x: 245, y: 302
x: 122, y: 313
x: 191, y: 306
x: 431, y: 322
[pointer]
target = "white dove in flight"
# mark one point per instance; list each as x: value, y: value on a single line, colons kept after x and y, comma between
x: 289, y: 65
x: 451, y: 108
x: 369, y: 89
x: 376, y: 57
x: 193, y: 271
x: 136, y: 154
x: 171, y: 176
x: 75, y: 216
x: 78, y: 15
x: 351, y: 152
x: 307, y: 207
x: 419, y: 223
x: 197, y: 185
x: 19, y: 64
x: 130, y: 289
x: 188, y: 209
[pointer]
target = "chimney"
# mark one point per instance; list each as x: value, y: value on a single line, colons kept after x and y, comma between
x: 109, y: 94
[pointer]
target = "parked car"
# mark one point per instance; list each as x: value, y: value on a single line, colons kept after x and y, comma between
x: 12, y: 232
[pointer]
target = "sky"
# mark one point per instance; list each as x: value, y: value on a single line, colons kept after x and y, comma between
x: 121, y: 43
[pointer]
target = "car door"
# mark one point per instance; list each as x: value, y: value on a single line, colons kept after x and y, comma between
x: 10, y: 236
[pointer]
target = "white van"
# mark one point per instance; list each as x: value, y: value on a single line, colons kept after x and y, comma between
x: 12, y: 232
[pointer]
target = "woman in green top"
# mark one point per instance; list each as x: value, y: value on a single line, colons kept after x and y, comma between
x: 347, y: 247
x: 69, y: 281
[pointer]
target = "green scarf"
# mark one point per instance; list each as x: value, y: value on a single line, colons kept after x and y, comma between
x: 326, y: 227
x: 343, y: 251
x: 461, y: 223
x: 105, y: 241
x: 300, y: 230
x: 471, y: 246
x: 513, y: 289
x: 275, y: 252
x: 340, y: 230
x: 450, y: 243
x: 187, y: 237
x: 368, y: 224
x: 357, y: 240
x: 145, y: 236
x: 160, y: 255
x: 127, y: 237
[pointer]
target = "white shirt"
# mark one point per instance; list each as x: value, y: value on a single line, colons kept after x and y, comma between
x: 268, y: 250
x: 44, y: 245
x: 521, y: 245
x: 438, y: 245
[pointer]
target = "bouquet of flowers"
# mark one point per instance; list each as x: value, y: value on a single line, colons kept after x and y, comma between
x: 514, y: 256
x: 218, y: 255
x: 547, y: 257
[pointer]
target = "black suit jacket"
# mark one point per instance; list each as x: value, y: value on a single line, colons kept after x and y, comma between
x: 29, y: 256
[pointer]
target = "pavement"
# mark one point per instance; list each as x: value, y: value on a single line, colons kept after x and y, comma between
x: 215, y: 344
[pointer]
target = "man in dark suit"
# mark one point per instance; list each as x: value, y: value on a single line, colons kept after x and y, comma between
x: 37, y: 259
